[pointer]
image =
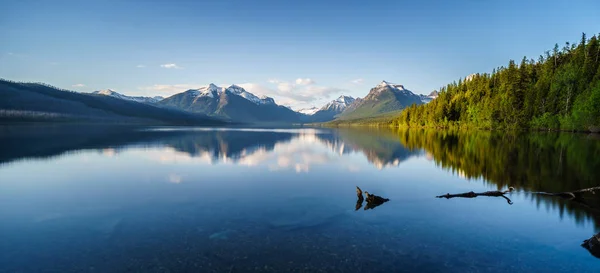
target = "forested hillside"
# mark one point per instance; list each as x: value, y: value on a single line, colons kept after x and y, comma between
x: 559, y: 90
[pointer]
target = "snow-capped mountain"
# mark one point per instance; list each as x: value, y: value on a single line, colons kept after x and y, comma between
x: 470, y: 77
x: 428, y: 98
x: 308, y: 111
x: 114, y: 94
x: 333, y: 108
x: 339, y: 104
x: 383, y: 98
x: 213, y: 91
x: 384, y: 86
x: 233, y: 102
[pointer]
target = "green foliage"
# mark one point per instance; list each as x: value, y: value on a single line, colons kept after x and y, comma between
x: 538, y: 161
x: 559, y: 91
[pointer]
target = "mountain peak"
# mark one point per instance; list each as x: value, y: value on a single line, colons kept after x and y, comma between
x: 345, y: 99
x: 308, y: 111
x: 106, y: 92
x: 383, y: 83
x: 236, y: 88
x: 339, y: 104
x: 391, y: 85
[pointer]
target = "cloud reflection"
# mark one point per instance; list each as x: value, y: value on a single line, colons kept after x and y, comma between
x: 299, y: 151
x: 175, y: 179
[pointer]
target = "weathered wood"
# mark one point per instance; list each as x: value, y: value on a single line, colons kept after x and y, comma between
x: 472, y: 194
x: 571, y: 194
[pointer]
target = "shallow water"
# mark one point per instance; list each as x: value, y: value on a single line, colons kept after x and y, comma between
x: 116, y: 199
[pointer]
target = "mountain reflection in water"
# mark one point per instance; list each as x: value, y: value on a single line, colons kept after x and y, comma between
x: 529, y: 162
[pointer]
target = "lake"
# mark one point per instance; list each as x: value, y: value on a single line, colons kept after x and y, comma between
x: 174, y: 199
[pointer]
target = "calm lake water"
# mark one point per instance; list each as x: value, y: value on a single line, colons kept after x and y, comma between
x: 106, y: 199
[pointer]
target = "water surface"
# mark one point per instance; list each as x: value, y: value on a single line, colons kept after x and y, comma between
x: 114, y: 199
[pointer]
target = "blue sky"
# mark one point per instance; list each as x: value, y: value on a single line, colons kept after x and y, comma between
x: 301, y: 53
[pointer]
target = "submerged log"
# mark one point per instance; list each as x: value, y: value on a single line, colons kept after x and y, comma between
x: 472, y: 194
x: 571, y: 194
x: 576, y: 197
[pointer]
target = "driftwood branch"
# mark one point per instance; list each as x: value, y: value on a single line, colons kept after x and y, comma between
x: 474, y: 194
x: 571, y: 194
x: 576, y: 197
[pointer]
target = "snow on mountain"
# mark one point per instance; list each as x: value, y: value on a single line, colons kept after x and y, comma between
x: 209, y: 91
x: 249, y: 96
x: 308, y: 111
x: 470, y: 77
x: 384, y: 98
x: 213, y: 91
x: 267, y: 100
x: 114, y: 94
x: 395, y: 87
x: 433, y: 95
x: 338, y: 104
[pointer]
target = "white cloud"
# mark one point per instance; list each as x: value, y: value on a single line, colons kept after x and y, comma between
x: 169, y: 66
x: 78, y: 85
x: 299, y: 92
x: 306, y: 81
x: 357, y: 81
x: 140, y: 66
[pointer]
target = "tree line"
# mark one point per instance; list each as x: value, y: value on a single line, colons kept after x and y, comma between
x: 559, y: 90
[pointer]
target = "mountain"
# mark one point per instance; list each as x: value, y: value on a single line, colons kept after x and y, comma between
x: 112, y: 93
x: 234, y: 103
x: 433, y: 95
x: 330, y: 110
x: 383, y: 98
x: 308, y: 111
x: 40, y: 102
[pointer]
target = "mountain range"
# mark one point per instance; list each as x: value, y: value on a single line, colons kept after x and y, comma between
x: 114, y: 94
x: 209, y: 103
x: 38, y: 102
x: 231, y: 103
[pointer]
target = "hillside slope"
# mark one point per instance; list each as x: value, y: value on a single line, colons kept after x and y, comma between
x: 384, y: 98
x: 39, y: 102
